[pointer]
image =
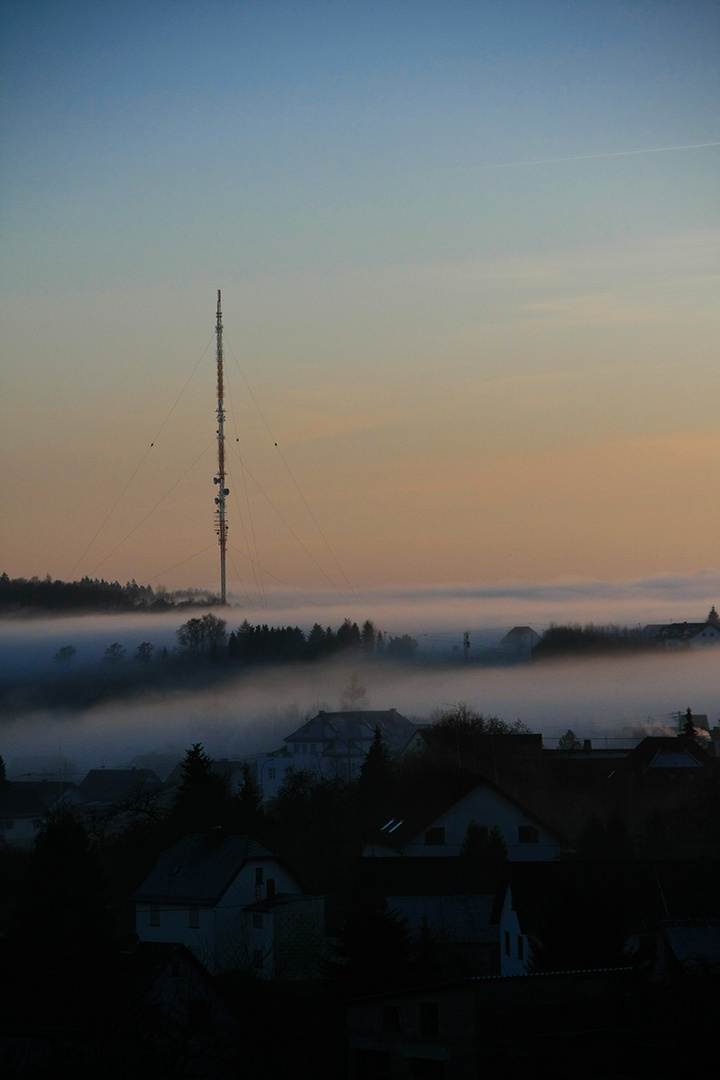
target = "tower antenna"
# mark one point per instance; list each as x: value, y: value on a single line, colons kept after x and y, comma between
x: 220, y: 522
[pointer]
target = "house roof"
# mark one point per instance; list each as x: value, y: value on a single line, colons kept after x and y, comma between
x: 519, y: 635
x: 354, y: 729
x: 694, y: 943
x: 452, y: 919
x: 48, y: 791
x: 114, y: 785
x: 653, y: 891
x: 199, y: 869
x: 657, y: 752
x: 438, y: 792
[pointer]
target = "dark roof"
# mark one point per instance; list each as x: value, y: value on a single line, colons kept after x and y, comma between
x: 199, y: 869
x: 652, y: 891
x: 114, y: 785
x: 18, y: 800
x: 694, y: 943
x: 519, y: 634
x: 355, y: 729
x: 437, y: 793
x: 663, y: 752
x: 49, y: 791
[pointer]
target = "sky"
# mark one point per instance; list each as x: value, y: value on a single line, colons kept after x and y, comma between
x: 468, y: 254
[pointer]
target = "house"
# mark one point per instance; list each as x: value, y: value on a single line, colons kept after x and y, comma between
x: 433, y: 821
x: 114, y: 787
x: 24, y: 805
x: 685, y: 634
x: 450, y: 904
x: 522, y: 1026
x: 204, y: 893
x: 333, y: 744
x: 520, y: 642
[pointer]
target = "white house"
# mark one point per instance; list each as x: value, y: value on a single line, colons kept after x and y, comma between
x: 204, y: 893
x: 333, y: 744
x: 435, y: 822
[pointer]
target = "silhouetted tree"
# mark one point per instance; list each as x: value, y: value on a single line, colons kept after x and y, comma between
x: 687, y: 729
x: 144, y: 652
x: 376, y: 784
x: 201, y: 802
x: 247, y: 803
x: 713, y: 616
x: 114, y: 653
x: 65, y: 655
x: 401, y: 648
x: 375, y: 949
x: 483, y: 845
x: 569, y: 741
x: 354, y: 696
x: 64, y: 917
x: 367, y: 636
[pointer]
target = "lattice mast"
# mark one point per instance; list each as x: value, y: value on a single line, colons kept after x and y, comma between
x: 221, y: 528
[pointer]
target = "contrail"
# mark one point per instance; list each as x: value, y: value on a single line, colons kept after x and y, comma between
x: 592, y: 157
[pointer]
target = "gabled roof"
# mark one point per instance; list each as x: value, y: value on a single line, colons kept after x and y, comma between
x: 114, y: 785
x: 519, y: 635
x: 198, y: 870
x: 439, y: 791
x: 658, y: 752
x: 355, y: 729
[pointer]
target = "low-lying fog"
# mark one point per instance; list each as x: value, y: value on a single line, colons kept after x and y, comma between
x: 606, y: 700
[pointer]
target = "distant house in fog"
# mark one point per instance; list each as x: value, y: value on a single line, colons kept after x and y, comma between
x: 520, y: 641
x: 333, y: 744
x: 685, y: 634
x: 113, y: 787
x: 234, y: 905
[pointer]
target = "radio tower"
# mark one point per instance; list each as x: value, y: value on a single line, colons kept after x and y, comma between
x: 220, y: 523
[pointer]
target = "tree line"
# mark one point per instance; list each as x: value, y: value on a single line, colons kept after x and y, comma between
x: 94, y: 594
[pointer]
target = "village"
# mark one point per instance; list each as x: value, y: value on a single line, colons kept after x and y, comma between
x: 444, y: 898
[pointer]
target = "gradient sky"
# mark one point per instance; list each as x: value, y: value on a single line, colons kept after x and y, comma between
x: 468, y: 254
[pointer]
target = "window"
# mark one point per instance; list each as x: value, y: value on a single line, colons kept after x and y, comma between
x: 271, y: 774
x: 313, y: 748
x: 194, y: 918
x: 434, y: 837
x: 259, y: 875
x: 154, y: 915
x: 258, y: 922
x: 429, y: 1024
x: 528, y: 834
x: 508, y: 947
x: 304, y: 746
x: 391, y: 1018
x: 521, y: 947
